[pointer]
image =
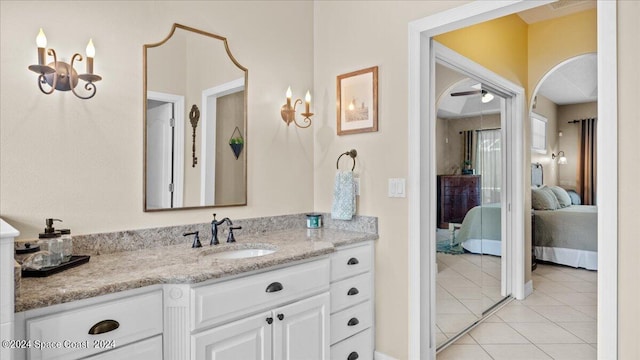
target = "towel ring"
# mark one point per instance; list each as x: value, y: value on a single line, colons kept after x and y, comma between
x: 353, y: 153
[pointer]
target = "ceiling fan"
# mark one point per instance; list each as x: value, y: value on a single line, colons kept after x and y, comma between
x: 486, y: 96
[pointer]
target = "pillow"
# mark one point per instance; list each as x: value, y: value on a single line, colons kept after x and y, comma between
x: 561, y: 194
x: 575, y: 198
x: 543, y: 199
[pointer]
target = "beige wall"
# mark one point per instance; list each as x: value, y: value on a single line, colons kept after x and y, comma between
x: 353, y: 35
x: 570, y: 140
x: 81, y: 160
x: 548, y: 109
x: 628, y: 175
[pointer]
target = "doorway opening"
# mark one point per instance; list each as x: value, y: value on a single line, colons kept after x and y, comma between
x: 422, y: 160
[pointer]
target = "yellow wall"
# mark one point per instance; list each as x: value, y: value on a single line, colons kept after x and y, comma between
x: 499, y: 45
x: 554, y: 41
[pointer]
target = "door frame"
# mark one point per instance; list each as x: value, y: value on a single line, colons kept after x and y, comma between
x: 208, y: 139
x: 422, y: 161
x: 178, y: 150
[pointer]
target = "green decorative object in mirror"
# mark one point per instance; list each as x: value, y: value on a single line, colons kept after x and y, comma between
x: 236, y: 142
x: 194, y: 67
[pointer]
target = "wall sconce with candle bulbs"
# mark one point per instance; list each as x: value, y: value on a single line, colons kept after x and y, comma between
x: 288, y: 112
x: 60, y: 75
x: 562, y: 159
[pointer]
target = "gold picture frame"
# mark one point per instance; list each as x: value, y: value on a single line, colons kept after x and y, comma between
x: 357, y: 101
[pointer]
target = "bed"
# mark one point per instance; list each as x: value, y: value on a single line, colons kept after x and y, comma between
x: 480, y: 231
x: 564, y: 233
x: 567, y: 236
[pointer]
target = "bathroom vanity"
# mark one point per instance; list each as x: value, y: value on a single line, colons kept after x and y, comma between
x: 311, y: 298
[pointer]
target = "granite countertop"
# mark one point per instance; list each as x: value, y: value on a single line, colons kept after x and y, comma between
x: 177, y: 264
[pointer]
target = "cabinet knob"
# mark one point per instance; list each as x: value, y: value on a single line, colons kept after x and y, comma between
x: 353, y: 291
x: 353, y: 261
x: 353, y: 322
x: 280, y: 316
x: 104, y: 326
x: 274, y: 287
x: 269, y: 320
x: 353, y: 356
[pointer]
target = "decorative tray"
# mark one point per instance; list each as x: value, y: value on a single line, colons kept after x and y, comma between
x: 46, y: 271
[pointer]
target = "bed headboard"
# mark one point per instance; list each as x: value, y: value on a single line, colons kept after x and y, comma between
x: 536, y: 175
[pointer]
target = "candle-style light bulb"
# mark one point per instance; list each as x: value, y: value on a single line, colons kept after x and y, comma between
x: 91, y: 53
x: 352, y: 105
x: 41, y: 41
x: 307, y: 101
x: 289, y: 96
x: 91, y: 50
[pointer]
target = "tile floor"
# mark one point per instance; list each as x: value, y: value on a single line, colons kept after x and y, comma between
x: 557, y: 321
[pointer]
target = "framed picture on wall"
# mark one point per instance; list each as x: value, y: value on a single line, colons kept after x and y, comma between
x: 357, y: 99
x: 538, y: 133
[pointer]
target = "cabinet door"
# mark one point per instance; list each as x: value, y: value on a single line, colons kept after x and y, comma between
x: 301, y: 330
x: 247, y: 339
x: 150, y: 349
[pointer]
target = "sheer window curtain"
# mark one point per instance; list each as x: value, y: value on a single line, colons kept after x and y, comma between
x: 488, y: 165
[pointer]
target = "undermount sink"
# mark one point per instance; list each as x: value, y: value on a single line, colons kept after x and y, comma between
x: 239, y: 252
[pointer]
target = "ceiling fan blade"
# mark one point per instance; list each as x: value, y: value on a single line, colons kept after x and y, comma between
x: 465, y: 93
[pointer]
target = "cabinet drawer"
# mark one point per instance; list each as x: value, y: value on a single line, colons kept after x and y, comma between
x: 150, y: 349
x: 359, y: 346
x: 350, y: 291
x: 351, y: 261
x: 350, y: 321
x: 137, y: 317
x: 232, y: 299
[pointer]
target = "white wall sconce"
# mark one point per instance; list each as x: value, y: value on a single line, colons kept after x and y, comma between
x: 288, y: 112
x: 562, y: 159
x: 60, y: 75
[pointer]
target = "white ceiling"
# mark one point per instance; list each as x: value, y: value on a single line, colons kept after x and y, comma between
x: 454, y: 107
x: 574, y: 82
x: 556, y: 9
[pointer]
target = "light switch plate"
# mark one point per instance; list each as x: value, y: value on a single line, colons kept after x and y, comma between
x: 397, y: 187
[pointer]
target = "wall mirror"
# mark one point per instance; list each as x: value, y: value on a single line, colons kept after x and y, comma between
x: 195, y: 122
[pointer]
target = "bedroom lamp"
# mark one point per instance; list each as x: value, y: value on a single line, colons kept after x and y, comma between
x: 562, y: 160
x: 60, y: 75
x: 288, y: 112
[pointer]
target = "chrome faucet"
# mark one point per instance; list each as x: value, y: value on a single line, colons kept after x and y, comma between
x: 214, y: 229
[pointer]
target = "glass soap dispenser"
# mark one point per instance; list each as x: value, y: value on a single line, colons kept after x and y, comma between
x: 51, y: 241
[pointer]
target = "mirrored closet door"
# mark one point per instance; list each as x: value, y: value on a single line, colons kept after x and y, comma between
x: 470, y: 165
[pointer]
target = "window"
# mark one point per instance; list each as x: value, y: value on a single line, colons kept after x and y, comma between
x: 538, y: 133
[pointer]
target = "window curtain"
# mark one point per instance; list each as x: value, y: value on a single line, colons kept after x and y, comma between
x: 467, y: 151
x: 588, y: 163
x: 488, y: 164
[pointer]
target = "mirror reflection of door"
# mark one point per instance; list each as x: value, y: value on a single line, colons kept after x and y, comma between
x: 163, y: 157
x: 470, y: 171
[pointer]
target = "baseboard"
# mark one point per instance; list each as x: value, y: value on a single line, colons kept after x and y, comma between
x: 380, y: 356
x: 528, y: 288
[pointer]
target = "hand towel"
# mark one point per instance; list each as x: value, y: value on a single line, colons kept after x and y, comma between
x: 344, y: 196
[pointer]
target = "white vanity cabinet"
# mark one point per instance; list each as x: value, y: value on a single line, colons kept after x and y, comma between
x: 352, y: 302
x: 296, y: 331
x: 123, y: 323
x: 279, y: 314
